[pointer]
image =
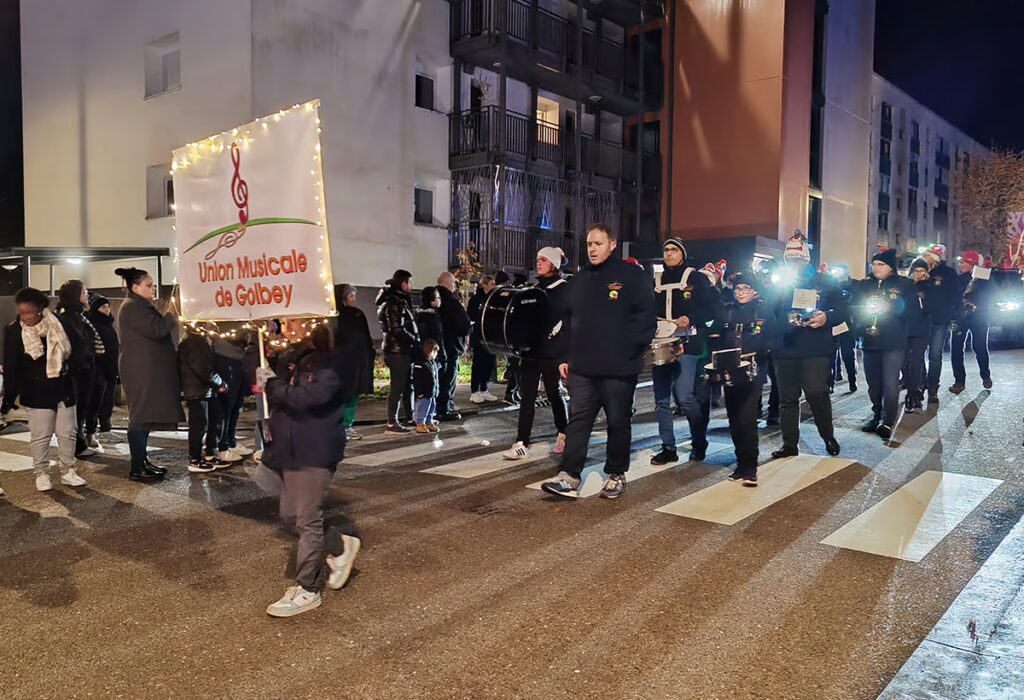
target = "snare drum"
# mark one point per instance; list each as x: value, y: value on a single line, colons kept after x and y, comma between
x: 742, y: 375
x: 665, y: 351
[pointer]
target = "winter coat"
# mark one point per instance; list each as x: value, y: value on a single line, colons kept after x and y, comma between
x: 195, y: 368
x: 946, y: 300
x: 107, y: 362
x: 26, y: 378
x: 148, y: 365
x: 454, y: 322
x: 698, y: 300
x: 744, y: 326
x: 613, y: 319
x: 898, y: 296
x: 306, y: 399
x: 83, y: 341
x: 475, y: 310
x: 973, y: 300
x: 919, y: 319
x: 429, y: 323
x: 789, y: 341
x: 397, y: 322
x: 424, y: 378
x: 353, y: 340
x: 555, y: 343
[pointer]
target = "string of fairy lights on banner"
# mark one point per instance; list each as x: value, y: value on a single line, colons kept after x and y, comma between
x: 210, y: 329
x: 245, y: 136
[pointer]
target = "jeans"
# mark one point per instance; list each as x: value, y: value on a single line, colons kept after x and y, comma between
x: 483, y: 368
x: 936, y: 342
x: 138, y: 438
x: 741, y: 406
x: 513, y: 378
x: 807, y: 375
x: 43, y: 423
x: 846, y: 344
x: 916, y: 349
x: 882, y: 370
x: 230, y: 401
x: 425, y: 411
x: 978, y: 330
x: 197, y: 424
x: 587, y: 396
x: 400, y: 390
x: 348, y: 413
x: 679, y: 379
x: 447, y: 377
x: 531, y: 372
x: 301, y: 493
x: 83, y: 380
x: 101, y: 404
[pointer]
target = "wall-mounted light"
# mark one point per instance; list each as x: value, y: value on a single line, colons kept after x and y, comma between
x: 73, y: 261
x: 9, y: 268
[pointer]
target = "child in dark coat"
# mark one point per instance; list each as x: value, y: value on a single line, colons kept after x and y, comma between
x: 425, y: 384
x: 199, y: 385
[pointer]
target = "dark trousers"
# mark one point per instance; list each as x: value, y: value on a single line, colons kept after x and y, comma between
x: 810, y: 376
x: 587, y: 396
x: 916, y: 348
x: 197, y: 426
x: 513, y: 379
x: 977, y: 328
x: 447, y: 377
x: 101, y: 404
x: 400, y: 389
x: 483, y: 368
x: 302, y: 492
x: 83, y: 380
x: 936, y: 342
x: 845, y: 357
x: 230, y: 401
x: 741, y: 407
x: 766, y: 371
x: 531, y: 372
x: 882, y: 370
x: 138, y: 439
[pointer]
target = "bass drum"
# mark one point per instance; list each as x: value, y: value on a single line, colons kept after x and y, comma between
x: 513, y: 321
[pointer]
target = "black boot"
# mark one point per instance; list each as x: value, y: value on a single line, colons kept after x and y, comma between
x: 785, y: 452
x: 832, y: 446
x: 140, y: 473
x: 853, y: 384
x: 150, y: 467
x: 872, y: 425
x: 698, y: 451
x: 665, y: 457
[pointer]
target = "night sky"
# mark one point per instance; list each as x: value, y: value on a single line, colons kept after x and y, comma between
x: 961, y: 58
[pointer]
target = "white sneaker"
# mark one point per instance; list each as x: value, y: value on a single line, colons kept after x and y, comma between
x: 560, y: 444
x: 488, y: 396
x: 93, y: 441
x: 257, y: 456
x: 517, y: 451
x: 2, y: 492
x: 477, y: 397
x: 341, y: 565
x: 241, y: 450
x: 228, y: 456
x: 43, y: 482
x: 108, y: 438
x: 295, y: 601
x: 88, y: 452
x: 351, y: 434
x: 71, y: 478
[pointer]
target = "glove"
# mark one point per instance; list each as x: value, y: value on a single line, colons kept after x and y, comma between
x: 263, y: 375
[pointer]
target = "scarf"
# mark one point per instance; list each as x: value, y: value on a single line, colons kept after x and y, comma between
x: 98, y: 345
x: 58, y: 347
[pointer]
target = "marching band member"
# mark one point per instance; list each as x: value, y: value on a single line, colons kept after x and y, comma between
x: 803, y: 311
x: 543, y: 361
x: 612, y: 323
x: 846, y: 343
x: 742, y: 325
x: 942, y: 311
x: 687, y: 300
x: 918, y: 333
x: 883, y: 304
x: 971, y: 319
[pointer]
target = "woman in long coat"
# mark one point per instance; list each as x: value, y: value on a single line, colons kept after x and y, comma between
x: 352, y: 339
x: 148, y: 367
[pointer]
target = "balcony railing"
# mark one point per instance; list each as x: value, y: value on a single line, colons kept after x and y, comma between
x: 513, y: 249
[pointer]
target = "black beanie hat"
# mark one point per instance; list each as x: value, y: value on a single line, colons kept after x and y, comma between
x: 677, y: 242
x: 887, y: 256
x: 745, y: 277
x: 919, y: 262
x: 98, y: 302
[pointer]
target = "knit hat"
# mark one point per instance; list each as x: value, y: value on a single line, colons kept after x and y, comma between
x: 887, y: 256
x: 745, y: 277
x: 341, y: 291
x: 677, y: 242
x: 797, y: 249
x: 938, y: 250
x: 971, y: 257
x: 501, y: 278
x: 98, y: 302
x: 552, y: 254
x: 919, y: 263
x: 712, y: 273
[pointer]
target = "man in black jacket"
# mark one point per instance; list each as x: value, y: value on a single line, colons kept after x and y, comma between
x: 456, y: 326
x: 846, y: 343
x: 686, y: 298
x: 803, y: 311
x: 543, y: 361
x: 401, y: 342
x: 972, y: 318
x: 611, y: 305
x: 941, y: 312
x: 918, y: 333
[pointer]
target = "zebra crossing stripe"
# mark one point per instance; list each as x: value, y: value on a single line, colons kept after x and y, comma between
x: 489, y: 463
x: 424, y: 449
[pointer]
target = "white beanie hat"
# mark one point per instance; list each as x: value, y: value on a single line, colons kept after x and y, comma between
x: 552, y: 255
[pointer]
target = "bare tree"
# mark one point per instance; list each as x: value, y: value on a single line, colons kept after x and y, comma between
x: 991, y: 199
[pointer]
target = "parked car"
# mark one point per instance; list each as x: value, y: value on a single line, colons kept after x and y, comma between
x: 1007, y: 311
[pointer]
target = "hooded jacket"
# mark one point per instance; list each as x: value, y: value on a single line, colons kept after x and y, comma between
x: 397, y: 321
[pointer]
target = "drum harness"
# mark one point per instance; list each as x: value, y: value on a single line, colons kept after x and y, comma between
x: 669, y: 289
x: 558, y: 326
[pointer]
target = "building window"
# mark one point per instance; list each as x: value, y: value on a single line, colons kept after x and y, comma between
x: 163, y: 65
x: 899, y: 203
x: 423, y: 206
x: 913, y: 228
x: 915, y: 130
x: 425, y: 92
x: 885, y: 148
x: 883, y: 221
x: 886, y: 112
x: 884, y: 182
x: 159, y: 191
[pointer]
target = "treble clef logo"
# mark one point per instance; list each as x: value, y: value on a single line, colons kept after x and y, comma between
x: 240, y: 196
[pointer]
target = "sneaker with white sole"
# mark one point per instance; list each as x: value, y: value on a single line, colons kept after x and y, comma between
x: 71, y: 478
x: 88, y: 452
x: 43, y: 482
x: 477, y: 397
x: 488, y: 396
x: 561, y: 485
x: 2, y: 492
x: 341, y: 565
x: 516, y: 452
x: 351, y: 434
x: 257, y: 456
x: 295, y: 601
x: 560, y: 444
x: 396, y: 429
x: 200, y: 466
x: 614, y: 486
x: 241, y: 450
x: 92, y: 440
x: 228, y: 456
x: 108, y: 438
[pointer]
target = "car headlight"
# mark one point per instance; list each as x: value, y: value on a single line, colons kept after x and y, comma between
x: 1007, y: 305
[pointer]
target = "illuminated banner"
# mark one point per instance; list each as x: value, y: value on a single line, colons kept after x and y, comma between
x: 250, y: 221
